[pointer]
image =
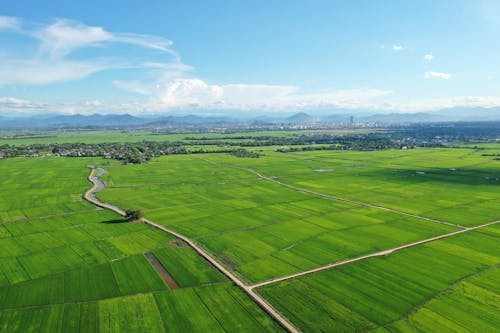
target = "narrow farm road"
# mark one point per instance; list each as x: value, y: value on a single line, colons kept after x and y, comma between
x: 371, y: 255
x: 250, y: 290
x: 90, y: 196
x: 331, y: 197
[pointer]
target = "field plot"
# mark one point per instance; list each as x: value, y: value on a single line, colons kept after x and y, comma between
x: 42, y: 187
x: 453, y: 185
x: 101, y: 136
x: 256, y: 227
x: 70, y: 267
x: 472, y: 305
x: 186, y: 267
x: 376, y: 292
x: 221, y: 308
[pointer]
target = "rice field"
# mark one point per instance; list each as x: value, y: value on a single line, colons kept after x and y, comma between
x: 380, y: 293
x: 220, y: 308
x: 263, y: 230
x: 472, y: 304
x: 66, y: 266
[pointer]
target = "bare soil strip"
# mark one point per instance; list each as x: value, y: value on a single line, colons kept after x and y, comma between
x: 171, y: 283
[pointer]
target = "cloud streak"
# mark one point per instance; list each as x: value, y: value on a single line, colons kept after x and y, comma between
x: 164, y: 83
x: 437, y: 75
x: 55, y: 42
x: 9, y: 23
x: 41, y: 71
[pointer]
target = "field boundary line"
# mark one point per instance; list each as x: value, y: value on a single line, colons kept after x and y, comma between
x: 331, y: 197
x: 90, y: 197
x: 437, y: 295
x: 368, y: 256
x: 30, y: 219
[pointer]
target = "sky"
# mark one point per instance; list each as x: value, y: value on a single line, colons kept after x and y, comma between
x: 247, y: 57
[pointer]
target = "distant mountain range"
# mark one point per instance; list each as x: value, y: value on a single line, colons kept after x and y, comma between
x: 337, y: 117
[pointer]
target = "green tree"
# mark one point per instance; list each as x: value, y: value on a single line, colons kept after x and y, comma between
x: 132, y: 215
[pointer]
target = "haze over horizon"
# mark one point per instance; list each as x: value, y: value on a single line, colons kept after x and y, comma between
x: 218, y: 57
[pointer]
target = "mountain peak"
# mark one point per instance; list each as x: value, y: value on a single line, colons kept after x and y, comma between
x: 300, y: 117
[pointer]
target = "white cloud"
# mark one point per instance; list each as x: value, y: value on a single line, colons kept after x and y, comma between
x: 437, y: 75
x: 95, y: 103
x: 9, y: 22
x: 207, y: 99
x: 168, y: 83
x: 428, y: 57
x: 40, y: 71
x: 13, y: 101
x: 55, y: 41
x: 191, y: 93
x: 196, y: 93
x: 19, y: 106
x: 152, y: 42
x: 133, y: 86
x: 406, y: 105
x: 64, y: 36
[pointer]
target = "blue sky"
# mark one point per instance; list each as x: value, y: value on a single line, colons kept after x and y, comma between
x: 248, y: 56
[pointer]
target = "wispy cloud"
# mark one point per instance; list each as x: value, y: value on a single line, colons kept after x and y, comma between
x: 437, y: 75
x: 133, y: 86
x: 55, y: 42
x: 20, y: 106
x: 428, y: 57
x: 64, y: 36
x: 165, y: 83
x: 43, y: 71
x: 8, y: 23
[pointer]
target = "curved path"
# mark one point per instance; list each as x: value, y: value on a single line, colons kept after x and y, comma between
x: 97, y: 186
x: 249, y: 289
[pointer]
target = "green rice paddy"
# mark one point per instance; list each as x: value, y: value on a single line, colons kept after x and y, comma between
x: 67, y: 266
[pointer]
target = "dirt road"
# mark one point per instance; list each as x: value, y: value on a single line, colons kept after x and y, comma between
x: 250, y: 289
x: 371, y: 255
x: 331, y: 197
x: 90, y: 197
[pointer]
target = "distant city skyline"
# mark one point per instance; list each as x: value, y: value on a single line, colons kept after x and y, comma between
x: 224, y: 57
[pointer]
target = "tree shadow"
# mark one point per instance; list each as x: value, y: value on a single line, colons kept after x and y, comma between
x: 114, y: 221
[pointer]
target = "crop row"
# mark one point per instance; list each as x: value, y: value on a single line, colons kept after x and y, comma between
x: 209, y: 309
x: 372, y: 293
